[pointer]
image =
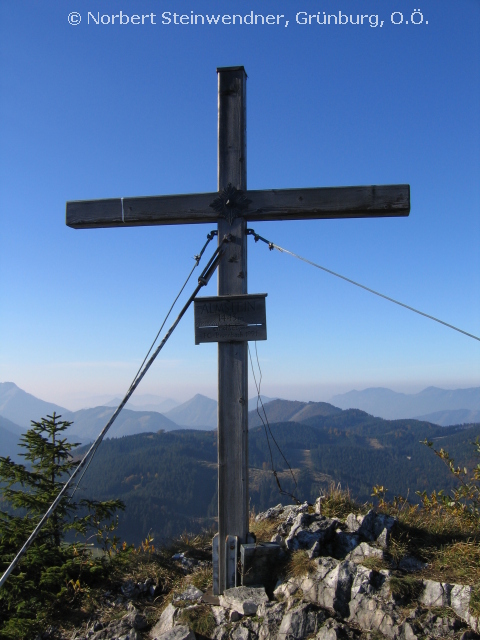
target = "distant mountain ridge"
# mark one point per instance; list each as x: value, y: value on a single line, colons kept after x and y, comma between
x: 200, y: 412
x: 145, y: 402
x: 438, y: 406
x: 87, y: 423
x: 450, y: 417
x: 9, y: 437
x: 290, y: 411
x: 21, y: 407
x: 390, y: 405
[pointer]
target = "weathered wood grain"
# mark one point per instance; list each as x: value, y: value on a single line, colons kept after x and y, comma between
x: 269, y: 204
x: 232, y: 356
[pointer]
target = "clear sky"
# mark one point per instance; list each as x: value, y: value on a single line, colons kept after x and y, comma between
x: 108, y: 110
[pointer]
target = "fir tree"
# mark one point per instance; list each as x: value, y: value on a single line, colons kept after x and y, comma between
x: 50, y: 565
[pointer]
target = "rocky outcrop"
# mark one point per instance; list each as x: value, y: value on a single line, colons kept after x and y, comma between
x: 345, y: 594
x: 340, y: 597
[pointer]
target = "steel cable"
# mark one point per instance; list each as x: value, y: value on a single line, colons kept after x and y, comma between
x: 272, y: 245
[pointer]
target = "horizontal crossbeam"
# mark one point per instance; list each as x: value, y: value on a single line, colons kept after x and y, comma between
x: 275, y: 204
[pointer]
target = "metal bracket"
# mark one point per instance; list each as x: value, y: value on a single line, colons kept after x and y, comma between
x: 230, y: 203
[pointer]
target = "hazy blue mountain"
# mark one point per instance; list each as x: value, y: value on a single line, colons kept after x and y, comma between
x: 252, y: 403
x: 291, y: 411
x: 391, y: 405
x: 10, y: 434
x: 9, y: 445
x: 87, y: 423
x: 21, y: 407
x: 145, y: 402
x: 199, y: 412
x: 10, y: 426
x: 452, y: 416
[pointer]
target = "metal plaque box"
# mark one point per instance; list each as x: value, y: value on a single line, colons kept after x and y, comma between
x: 230, y: 318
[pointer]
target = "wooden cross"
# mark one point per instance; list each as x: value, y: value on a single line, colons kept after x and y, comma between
x: 231, y: 208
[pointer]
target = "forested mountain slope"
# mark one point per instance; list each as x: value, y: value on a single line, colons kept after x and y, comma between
x: 169, y: 480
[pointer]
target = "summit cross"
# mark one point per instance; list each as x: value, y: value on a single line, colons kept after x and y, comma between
x: 232, y: 207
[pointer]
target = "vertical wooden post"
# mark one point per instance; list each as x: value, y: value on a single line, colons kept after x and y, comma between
x: 232, y: 357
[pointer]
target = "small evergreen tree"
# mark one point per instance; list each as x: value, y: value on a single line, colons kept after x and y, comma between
x: 50, y: 565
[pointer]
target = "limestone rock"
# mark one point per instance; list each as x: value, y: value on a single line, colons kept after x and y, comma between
x: 116, y: 630
x: 344, y: 542
x: 435, y: 594
x: 407, y: 631
x: 373, y: 524
x: 278, y: 539
x: 180, y: 632
x: 318, y: 505
x: 364, y: 550
x: 300, y: 622
x: 222, y: 632
x: 136, y: 620
x: 460, y: 602
x: 353, y: 522
x: 219, y: 615
x: 372, y: 614
x: 241, y: 633
x: 191, y: 594
x: 245, y: 600
x: 166, y: 621
x: 271, y: 615
x: 282, y: 512
x: 286, y: 589
x: 273, y: 512
x: 330, y: 586
x: 310, y: 532
x: 384, y: 538
x: 333, y: 630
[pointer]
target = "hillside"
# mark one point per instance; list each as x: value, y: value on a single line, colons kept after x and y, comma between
x: 290, y: 410
x: 169, y: 480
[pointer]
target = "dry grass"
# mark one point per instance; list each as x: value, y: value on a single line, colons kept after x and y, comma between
x: 264, y: 529
x: 300, y: 565
x: 375, y: 564
x: 455, y: 563
x: 475, y: 601
x: 407, y: 587
x: 338, y: 503
x: 449, y: 543
x: 199, y: 619
x: 202, y: 578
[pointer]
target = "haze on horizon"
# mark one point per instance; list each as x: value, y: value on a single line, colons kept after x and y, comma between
x: 148, y: 395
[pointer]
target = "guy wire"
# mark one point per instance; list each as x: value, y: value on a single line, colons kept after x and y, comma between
x: 272, y: 245
x: 202, y: 281
x: 259, y: 399
x: 197, y: 259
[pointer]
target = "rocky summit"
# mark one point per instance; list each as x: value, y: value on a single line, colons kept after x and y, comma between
x: 330, y: 586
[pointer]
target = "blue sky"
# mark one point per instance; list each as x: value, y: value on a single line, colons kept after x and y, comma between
x: 96, y: 111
